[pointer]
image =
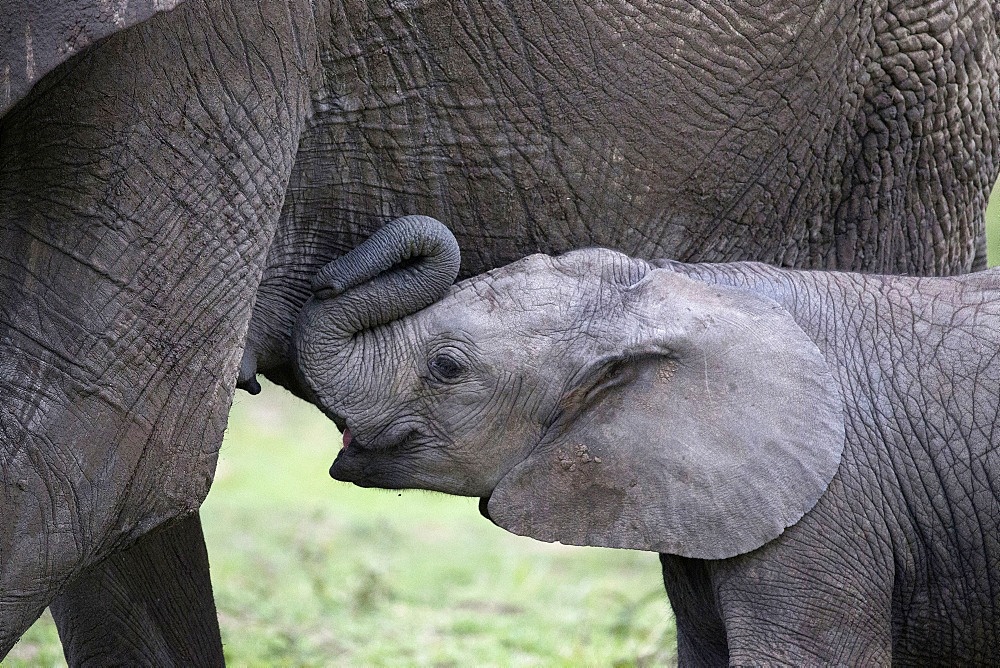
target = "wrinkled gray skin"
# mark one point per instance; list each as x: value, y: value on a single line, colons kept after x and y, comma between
x: 170, y: 182
x: 812, y: 453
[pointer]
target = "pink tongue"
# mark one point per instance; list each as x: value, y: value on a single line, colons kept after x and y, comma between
x: 347, y: 438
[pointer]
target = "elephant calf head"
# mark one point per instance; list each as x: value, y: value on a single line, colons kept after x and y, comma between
x: 589, y: 398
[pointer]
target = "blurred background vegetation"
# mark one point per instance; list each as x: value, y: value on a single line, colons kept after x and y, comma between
x: 993, y: 226
x: 310, y: 572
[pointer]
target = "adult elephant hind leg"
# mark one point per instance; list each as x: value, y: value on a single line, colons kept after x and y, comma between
x: 140, y: 187
x: 150, y: 604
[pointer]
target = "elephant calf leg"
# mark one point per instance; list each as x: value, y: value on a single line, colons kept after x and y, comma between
x: 803, y: 623
x: 150, y: 605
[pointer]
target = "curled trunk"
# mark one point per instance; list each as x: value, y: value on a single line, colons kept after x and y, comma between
x: 402, y: 268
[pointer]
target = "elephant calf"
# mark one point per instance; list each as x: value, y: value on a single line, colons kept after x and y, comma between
x: 812, y: 454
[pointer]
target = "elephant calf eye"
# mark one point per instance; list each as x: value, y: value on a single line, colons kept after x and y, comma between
x: 445, y: 367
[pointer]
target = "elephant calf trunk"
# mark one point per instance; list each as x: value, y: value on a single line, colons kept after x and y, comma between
x: 405, y: 266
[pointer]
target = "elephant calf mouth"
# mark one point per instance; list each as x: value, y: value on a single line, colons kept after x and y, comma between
x: 393, y: 441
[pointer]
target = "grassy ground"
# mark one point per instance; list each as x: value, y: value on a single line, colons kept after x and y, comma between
x: 993, y: 226
x: 309, y: 571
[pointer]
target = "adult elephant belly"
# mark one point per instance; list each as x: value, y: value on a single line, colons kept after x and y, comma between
x: 705, y: 132
x: 810, y: 135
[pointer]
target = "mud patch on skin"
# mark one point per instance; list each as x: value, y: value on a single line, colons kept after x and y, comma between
x: 666, y: 370
x: 581, y: 455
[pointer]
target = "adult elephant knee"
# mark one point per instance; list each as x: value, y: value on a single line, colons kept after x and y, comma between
x: 186, y: 172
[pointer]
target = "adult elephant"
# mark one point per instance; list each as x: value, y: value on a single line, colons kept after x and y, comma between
x: 170, y: 181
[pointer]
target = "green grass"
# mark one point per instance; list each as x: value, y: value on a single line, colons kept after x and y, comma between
x: 309, y: 571
x: 993, y: 226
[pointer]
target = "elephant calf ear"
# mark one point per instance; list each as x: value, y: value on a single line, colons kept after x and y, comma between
x: 706, y: 434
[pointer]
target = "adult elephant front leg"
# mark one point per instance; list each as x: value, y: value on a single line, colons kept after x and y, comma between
x: 139, y: 190
x: 149, y: 605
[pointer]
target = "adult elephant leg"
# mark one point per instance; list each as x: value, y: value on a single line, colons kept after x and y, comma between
x: 140, y: 187
x: 149, y: 605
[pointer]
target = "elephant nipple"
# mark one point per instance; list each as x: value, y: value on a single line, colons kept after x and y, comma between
x: 246, y: 377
